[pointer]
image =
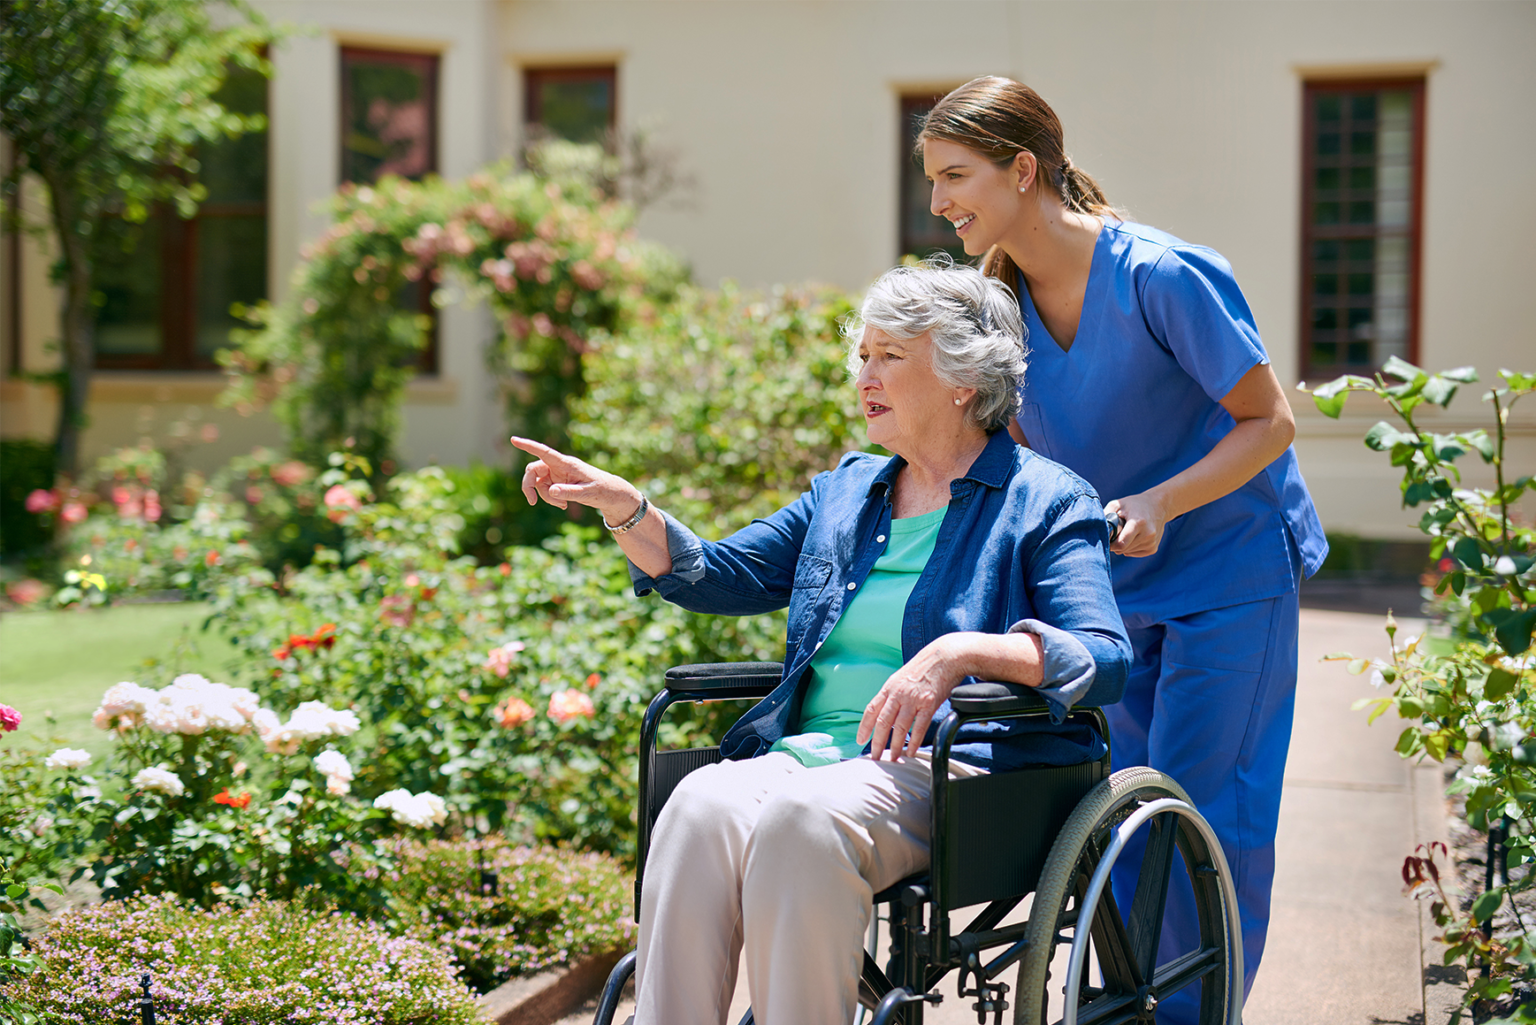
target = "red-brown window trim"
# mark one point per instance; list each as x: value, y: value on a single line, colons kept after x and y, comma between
x: 1311, y: 87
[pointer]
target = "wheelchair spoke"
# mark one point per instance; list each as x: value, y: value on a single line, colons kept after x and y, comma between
x: 1181, y: 971
x: 1121, y: 972
x: 1108, y: 1009
x: 1145, y: 924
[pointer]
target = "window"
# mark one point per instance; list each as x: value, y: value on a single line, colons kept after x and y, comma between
x: 389, y: 126
x: 577, y: 104
x: 921, y: 232
x: 164, y: 288
x: 1363, y: 159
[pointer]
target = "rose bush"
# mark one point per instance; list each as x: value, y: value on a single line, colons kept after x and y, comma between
x: 1471, y: 702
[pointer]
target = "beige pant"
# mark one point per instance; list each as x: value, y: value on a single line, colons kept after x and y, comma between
x: 780, y: 861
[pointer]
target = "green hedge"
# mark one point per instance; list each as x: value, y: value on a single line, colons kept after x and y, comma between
x: 25, y: 466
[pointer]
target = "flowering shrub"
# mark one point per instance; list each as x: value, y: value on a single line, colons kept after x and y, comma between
x: 513, y: 692
x: 502, y: 910
x: 1476, y: 703
x: 267, y: 962
x: 555, y: 262
x: 211, y: 796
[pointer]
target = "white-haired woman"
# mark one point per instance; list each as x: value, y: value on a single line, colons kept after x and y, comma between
x: 962, y: 556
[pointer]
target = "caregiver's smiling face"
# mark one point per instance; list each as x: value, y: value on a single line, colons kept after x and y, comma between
x: 981, y: 200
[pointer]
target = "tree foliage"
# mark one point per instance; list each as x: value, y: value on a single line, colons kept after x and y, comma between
x: 107, y: 102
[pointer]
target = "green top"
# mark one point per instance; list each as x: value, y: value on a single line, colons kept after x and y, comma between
x: 863, y: 649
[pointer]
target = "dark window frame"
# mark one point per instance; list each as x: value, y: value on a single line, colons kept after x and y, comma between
x: 428, y: 365
x: 177, y: 260
x: 1311, y: 233
x: 532, y: 96
x: 910, y: 104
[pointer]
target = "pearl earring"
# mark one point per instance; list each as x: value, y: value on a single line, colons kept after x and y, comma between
x: 957, y: 402
x: 1023, y: 188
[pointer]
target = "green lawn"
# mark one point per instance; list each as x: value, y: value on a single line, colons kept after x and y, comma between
x: 61, y: 662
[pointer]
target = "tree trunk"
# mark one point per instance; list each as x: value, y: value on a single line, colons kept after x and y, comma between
x: 77, y: 346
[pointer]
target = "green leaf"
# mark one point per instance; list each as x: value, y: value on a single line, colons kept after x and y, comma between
x: 1461, y: 375
x: 1403, y: 370
x: 1469, y: 554
x: 1439, y: 391
x: 1480, y: 441
x: 1329, y: 398
x: 1383, y: 436
x: 1438, y: 744
x: 1359, y: 665
x: 1486, y: 904
x: 1500, y: 684
x: 1408, y: 741
x: 15, y: 891
x: 1512, y: 629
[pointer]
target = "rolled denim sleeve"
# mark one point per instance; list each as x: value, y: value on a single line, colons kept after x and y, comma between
x: 687, y: 553
x: 1068, y: 671
x: 1087, y: 654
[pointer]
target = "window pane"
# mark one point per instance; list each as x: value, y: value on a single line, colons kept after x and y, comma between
x: 921, y: 233
x: 127, y: 282
x: 235, y: 170
x: 231, y: 268
x: 574, y: 106
x: 1359, y: 190
x: 388, y: 115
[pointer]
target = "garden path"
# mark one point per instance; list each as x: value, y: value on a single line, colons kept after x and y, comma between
x: 1344, y: 946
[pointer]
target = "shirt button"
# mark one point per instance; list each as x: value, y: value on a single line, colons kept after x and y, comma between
x: 852, y: 585
x: 880, y: 538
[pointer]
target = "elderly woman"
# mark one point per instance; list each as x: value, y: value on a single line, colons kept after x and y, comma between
x: 960, y: 557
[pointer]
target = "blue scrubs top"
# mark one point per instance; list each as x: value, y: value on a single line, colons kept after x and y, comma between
x: 1165, y: 334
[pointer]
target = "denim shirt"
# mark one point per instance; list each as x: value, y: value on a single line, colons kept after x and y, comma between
x: 1023, y: 547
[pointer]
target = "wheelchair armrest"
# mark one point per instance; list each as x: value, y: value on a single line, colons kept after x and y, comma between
x: 995, y: 699
x: 725, y: 679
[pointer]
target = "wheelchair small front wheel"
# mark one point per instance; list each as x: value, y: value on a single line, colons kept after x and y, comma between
x: 1074, y: 908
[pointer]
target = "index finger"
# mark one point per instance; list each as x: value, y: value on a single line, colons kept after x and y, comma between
x: 539, y: 449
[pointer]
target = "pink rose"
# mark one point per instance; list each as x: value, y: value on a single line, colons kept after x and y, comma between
x: 499, y: 660
x: 340, y: 501
x: 25, y: 592
x: 290, y: 474
x: 74, y: 512
x: 565, y: 705
x: 9, y: 718
x: 41, y: 501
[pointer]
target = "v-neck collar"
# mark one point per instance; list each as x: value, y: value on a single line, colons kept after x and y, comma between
x: 1088, y: 319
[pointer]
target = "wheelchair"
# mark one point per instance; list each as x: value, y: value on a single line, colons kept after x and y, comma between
x: 1051, y: 831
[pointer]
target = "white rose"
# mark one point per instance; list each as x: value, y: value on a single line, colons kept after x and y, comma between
x: 416, y: 810
x: 338, y: 786
x: 1504, y: 566
x: 266, y: 722
x: 161, y: 779
x: 102, y: 720
x: 193, y: 681
x: 68, y: 758
x: 127, y: 698
x: 333, y: 763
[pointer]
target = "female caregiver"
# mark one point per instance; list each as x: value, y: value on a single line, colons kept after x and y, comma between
x: 961, y: 556
x: 1147, y: 377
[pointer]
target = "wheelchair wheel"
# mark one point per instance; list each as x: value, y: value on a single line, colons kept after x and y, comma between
x: 1074, y: 907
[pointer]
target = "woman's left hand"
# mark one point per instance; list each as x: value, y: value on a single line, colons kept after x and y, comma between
x: 1142, y: 521
x: 897, y: 718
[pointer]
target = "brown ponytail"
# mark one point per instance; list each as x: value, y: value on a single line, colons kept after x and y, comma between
x: 998, y: 118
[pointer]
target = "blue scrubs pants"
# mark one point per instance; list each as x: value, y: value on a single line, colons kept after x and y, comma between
x: 1209, y: 701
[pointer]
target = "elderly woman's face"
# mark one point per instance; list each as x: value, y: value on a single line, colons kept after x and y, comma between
x: 902, y: 401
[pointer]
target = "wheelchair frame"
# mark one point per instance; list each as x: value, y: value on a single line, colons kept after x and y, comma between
x: 1054, y: 831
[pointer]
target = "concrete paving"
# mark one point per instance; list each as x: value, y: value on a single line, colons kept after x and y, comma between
x: 1345, y: 944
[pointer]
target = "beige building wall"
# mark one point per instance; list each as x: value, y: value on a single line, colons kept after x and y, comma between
x: 785, y: 113
x: 1189, y: 114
